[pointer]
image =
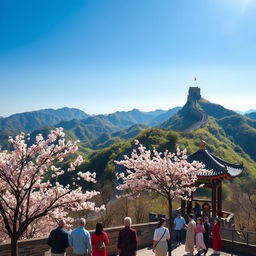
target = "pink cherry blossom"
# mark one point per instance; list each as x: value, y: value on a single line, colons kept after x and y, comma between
x: 168, y: 174
x: 29, y: 203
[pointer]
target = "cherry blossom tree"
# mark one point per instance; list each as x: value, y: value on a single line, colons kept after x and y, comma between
x: 168, y: 174
x: 29, y: 201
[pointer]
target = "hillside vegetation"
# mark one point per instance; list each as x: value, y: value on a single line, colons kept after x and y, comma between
x: 252, y: 115
x: 239, y: 129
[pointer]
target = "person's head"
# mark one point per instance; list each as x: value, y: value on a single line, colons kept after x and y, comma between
x: 161, y: 222
x: 217, y: 221
x: 190, y: 217
x: 179, y: 214
x: 206, y: 219
x: 82, y: 222
x: 127, y: 221
x: 200, y: 220
x: 99, y: 229
x: 61, y: 223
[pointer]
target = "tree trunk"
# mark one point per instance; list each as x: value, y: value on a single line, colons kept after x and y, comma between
x: 170, y: 224
x: 14, y: 246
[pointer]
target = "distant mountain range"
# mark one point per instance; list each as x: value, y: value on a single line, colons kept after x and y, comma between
x: 100, y: 131
x: 79, y: 125
x: 103, y: 138
x: 29, y: 121
x: 251, y: 115
x: 246, y: 112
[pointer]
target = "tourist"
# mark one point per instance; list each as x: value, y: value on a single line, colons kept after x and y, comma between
x: 80, y: 240
x: 127, y: 239
x: 200, y: 237
x: 190, y: 235
x: 100, y: 241
x: 197, y: 210
x: 207, y: 228
x: 179, y: 225
x: 216, y: 239
x: 161, y: 235
x: 58, y: 240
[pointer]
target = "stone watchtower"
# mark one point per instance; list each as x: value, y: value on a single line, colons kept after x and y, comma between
x: 194, y: 94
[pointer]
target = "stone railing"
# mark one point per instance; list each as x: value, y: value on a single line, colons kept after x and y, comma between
x: 39, y: 247
x: 238, y: 241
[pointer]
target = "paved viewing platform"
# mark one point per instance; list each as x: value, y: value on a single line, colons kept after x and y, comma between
x: 241, y: 243
x: 180, y: 251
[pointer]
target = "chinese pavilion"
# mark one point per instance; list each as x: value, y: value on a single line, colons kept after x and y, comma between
x: 219, y: 170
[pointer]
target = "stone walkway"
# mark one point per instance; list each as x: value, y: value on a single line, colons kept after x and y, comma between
x: 180, y: 251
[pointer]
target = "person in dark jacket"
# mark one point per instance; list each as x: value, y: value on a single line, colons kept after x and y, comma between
x: 207, y: 232
x: 127, y: 239
x: 58, y: 240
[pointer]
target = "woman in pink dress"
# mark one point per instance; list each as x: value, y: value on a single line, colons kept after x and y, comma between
x: 100, y: 241
x: 216, y: 240
x: 199, y: 231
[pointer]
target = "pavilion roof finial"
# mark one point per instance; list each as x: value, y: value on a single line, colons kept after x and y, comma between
x: 202, y: 145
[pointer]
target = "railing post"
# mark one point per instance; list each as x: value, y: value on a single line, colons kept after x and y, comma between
x: 247, y: 238
x: 232, y: 234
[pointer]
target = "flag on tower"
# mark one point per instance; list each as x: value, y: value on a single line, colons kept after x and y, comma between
x: 194, y: 78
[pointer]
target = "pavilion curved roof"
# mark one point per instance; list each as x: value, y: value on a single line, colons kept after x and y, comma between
x: 218, y: 167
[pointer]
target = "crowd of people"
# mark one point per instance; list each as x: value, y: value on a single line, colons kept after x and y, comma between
x: 95, y: 245
x: 197, y: 233
x: 84, y: 244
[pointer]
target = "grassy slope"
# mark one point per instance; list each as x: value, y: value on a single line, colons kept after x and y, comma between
x: 102, y: 161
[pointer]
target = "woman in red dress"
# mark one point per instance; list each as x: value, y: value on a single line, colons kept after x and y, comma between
x: 100, y: 241
x: 216, y: 240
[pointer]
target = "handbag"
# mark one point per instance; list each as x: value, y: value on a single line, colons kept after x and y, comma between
x: 101, y: 246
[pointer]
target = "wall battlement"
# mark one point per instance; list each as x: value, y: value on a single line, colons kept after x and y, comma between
x: 194, y: 93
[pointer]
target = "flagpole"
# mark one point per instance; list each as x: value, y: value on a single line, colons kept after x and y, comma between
x: 195, y: 81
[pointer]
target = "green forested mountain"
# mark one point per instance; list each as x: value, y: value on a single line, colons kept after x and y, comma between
x: 238, y: 128
x: 228, y: 134
x: 102, y: 161
x: 251, y: 115
x: 94, y: 131
x: 29, y: 121
x: 107, y: 139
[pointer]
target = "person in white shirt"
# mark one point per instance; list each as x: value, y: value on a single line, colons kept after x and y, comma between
x: 161, y: 235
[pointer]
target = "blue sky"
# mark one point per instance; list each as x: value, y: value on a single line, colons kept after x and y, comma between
x: 107, y: 55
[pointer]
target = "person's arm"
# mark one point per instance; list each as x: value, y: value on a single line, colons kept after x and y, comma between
x: 207, y: 228
x: 50, y: 239
x: 106, y: 240
x: 89, y: 245
x: 71, y: 240
x: 119, y: 240
x: 66, y: 240
x: 184, y: 223
x: 135, y: 241
x: 154, y: 240
x: 93, y: 240
x: 167, y: 234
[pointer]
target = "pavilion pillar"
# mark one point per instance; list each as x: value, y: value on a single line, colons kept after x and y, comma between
x: 219, y: 199
x: 214, y: 198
